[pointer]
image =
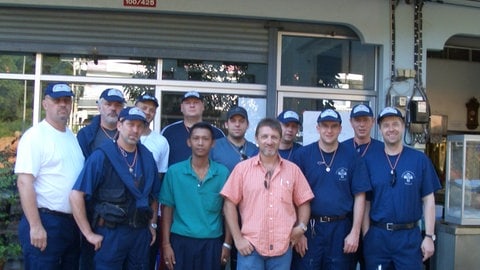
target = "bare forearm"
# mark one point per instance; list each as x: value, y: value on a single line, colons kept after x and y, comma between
x: 303, y: 213
x: 167, y: 218
x: 28, y: 199
x: 429, y: 213
x: 358, y: 213
x: 77, y: 201
x: 231, y: 216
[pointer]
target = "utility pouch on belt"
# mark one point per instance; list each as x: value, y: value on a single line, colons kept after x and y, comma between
x: 111, y: 213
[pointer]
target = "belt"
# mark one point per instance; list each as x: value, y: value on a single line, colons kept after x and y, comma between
x: 53, y: 212
x: 328, y: 218
x: 394, y: 226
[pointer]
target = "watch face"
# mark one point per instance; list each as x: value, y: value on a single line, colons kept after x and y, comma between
x: 154, y: 225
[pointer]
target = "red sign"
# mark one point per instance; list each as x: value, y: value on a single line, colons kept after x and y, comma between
x: 139, y: 3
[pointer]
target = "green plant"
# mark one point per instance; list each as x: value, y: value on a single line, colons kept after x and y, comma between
x: 9, y: 248
x: 8, y: 190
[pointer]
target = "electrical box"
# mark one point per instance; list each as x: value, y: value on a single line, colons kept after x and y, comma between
x: 418, y: 111
x: 400, y: 101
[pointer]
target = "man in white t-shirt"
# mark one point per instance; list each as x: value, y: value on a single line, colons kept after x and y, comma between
x: 158, y: 145
x: 49, y: 159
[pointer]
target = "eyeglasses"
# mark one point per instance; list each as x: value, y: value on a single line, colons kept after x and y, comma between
x: 268, y: 178
x: 243, y: 156
x: 394, y: 178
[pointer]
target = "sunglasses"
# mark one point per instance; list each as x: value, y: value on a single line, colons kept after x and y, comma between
x: 268, y: 179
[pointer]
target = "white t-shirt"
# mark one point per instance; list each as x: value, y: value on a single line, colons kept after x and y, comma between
x: 55, y: 159
x: 158, y: 145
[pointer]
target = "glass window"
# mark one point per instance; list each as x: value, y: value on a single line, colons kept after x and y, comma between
x: 327, y: 62
x: 214, y: 71
x: 17, y: 63
x: 309, y: 109
x: 138, y: 68
x: 16, y: 103
x: 216, y: 107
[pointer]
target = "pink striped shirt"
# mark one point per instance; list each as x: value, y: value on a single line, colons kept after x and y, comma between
x: 268, y: 215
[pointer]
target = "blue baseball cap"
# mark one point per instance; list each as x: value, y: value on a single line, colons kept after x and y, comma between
x: 58, y: 90
x: 147, y: 97
x: 112, y: 95
x: 389, y: 111
x: 192, y: 94
x: 132, y: 113
x: 237, y: 111
x: 288, y: 116
x: 329, y: 115
x: 361, y: 110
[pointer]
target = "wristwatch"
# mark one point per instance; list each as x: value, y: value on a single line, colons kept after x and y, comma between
x: 431, y: 236
x: 154, y: 225
x: 302, y: 226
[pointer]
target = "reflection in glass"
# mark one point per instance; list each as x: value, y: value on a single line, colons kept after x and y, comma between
x: 16, y: 105
x: 17, y: 63
x: 214, y: 71
x: 96, y: 66
x: 327, y: 62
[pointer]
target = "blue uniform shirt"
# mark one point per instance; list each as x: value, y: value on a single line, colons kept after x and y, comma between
x: 288, y: 153
x: 401, y: 202
x: 335, y: 190
x: 177, y: 134
x: 226, y: 153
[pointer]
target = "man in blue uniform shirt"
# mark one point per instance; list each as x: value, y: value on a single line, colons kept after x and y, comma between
x: 120, y: 179
x: 233, y: 148
x: 290, y: 122
x: 177, y: 133
x: 339, y: 179
x: 403, y: 185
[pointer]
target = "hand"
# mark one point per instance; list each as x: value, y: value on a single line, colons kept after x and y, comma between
x: 301, y: 246
x: 296, y: 234
x: 38, y: 237
x: 350, y: 243
x: 95, y: 240
x: 225, y: 255
x: 154, y: 235
x: 428, y: 248
x: 168, y: 256
x: 244, y: 246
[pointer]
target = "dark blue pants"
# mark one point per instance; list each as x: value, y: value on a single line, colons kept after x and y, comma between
x: 123, y: 247
x: 325, y: 247
x: 393, y: 249
x: 195, y: 253
x: 63, y: 243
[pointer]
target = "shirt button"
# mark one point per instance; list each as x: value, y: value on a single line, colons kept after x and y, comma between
x: 271, y: 206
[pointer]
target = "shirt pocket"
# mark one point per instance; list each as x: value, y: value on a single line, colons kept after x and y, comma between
x: 212, y: 202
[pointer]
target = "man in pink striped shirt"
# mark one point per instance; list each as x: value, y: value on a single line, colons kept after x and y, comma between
x: 273, y: 199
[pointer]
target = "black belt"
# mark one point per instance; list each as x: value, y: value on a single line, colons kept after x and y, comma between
x: 53, y: 212
x: 394, y: 226
x: 328, y: 218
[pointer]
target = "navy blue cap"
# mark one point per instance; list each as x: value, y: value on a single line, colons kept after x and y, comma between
x: 147, y: 97
x: 237, y: 111
x: 58, y: 90
x: 132, y: 113
x: 361, y: 110
x: 288, y: 116
x: 389, y: 111
x: 112, y: 95
x: 192, y: 94
x: 329, y: 115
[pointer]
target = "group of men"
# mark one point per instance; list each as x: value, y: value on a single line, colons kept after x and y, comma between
x: 210, y: 201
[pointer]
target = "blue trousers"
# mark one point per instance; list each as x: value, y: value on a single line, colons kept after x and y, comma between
x: 63, y: 243
x: 393, y: 249
x: 325, y: 247
x: 123, y: 247
x: 197, y: 253
x: 255, y: 261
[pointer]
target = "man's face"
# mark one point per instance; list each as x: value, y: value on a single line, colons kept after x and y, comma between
x: 148, y: 108
x: 362, y: 126
x: 237, y: 126
x: 109, y: 111
x: 392, y: 128
x: 57, y: 109
x: 129, y: 131
x: 200, y: 141
x: 268, y: 140
x: 329, y: 131
x: 192, y: 107
x: 289, y: 132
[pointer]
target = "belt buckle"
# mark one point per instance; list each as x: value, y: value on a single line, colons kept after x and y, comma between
x: 324, y: 219
x: 390, y: 226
